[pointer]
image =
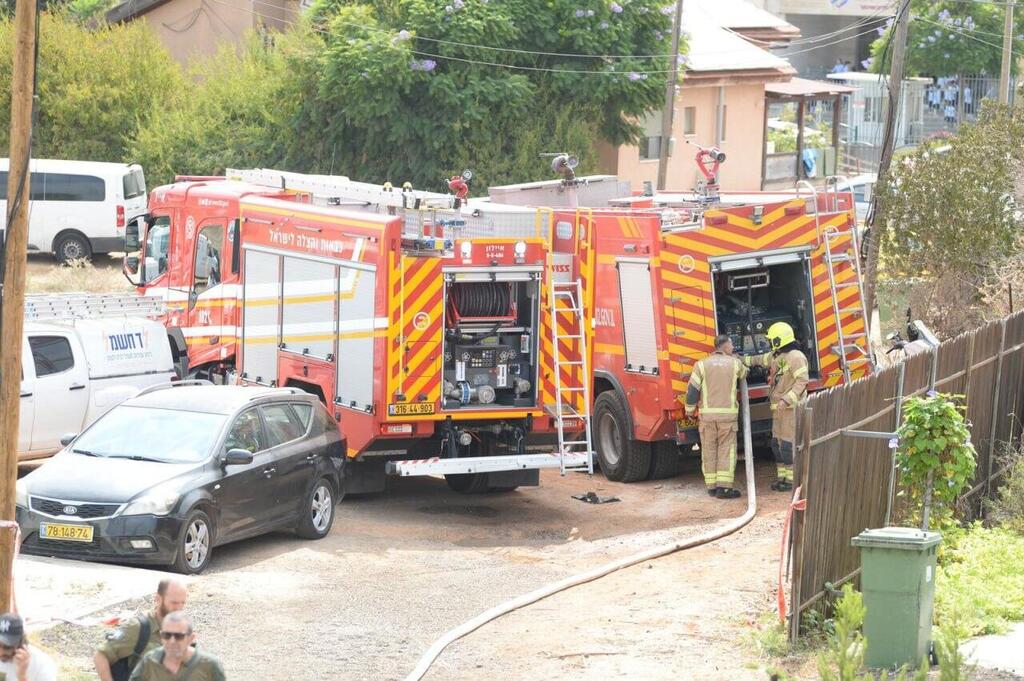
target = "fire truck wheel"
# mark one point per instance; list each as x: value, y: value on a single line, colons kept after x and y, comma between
x: 72, y: 246
x: 318, y: 517
x: 468, y: 483
x: 621, y: 458
x: 666, y: 460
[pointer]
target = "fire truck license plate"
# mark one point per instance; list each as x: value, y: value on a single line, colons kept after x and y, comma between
x: 415, y: 409
x: 66, y: 532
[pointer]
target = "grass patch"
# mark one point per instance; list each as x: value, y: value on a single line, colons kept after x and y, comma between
x: 80, y: 276
x: 980, y: 581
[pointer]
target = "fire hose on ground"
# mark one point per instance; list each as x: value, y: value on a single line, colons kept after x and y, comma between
x: 505, y: 608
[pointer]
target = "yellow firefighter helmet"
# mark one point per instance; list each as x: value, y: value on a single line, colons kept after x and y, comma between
x: 780, y: 334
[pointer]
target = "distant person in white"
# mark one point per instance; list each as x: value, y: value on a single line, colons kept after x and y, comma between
x: 20, y: 661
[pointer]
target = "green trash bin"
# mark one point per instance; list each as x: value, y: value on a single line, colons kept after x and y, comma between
x: 898, y: 582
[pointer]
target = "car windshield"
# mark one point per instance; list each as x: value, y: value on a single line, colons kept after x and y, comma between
x: 165, y: 435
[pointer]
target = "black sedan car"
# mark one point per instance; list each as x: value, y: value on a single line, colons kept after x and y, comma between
x: 167, y: 475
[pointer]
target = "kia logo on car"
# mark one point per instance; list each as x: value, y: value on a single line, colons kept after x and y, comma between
x: 70, y: 510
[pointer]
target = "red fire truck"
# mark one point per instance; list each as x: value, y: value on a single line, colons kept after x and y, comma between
x: 674, y: 270
x: 447, y: 338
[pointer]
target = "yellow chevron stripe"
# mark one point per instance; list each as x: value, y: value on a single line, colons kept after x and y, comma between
x: 685, y: 280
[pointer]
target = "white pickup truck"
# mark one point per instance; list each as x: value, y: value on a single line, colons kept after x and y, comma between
x: 82, y: 355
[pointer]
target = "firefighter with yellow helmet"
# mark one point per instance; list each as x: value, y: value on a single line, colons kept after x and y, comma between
x: 787, y: 375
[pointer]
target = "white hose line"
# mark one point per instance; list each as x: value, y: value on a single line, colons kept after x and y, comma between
x: 494, y: 613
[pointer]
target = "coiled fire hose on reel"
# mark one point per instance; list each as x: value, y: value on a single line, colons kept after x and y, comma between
x: 543, y: 592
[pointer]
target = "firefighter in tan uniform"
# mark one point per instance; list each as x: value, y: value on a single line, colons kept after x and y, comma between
x: 712, y: 387
x: 788, y: 378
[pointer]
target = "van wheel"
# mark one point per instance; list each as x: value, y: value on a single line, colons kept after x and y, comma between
x: 72, y: 247
x: 622, y: 459
x: 666, y: 460
x: 468, y: 483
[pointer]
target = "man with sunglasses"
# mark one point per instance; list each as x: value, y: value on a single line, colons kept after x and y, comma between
x: 176, y: 659
x: 18, y: 660
x: 124, y: 647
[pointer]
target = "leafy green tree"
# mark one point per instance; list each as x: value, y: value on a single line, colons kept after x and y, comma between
x: 951, y: 37
x: 404, y: 92
x: 952, y: 212
x: 95, y: 87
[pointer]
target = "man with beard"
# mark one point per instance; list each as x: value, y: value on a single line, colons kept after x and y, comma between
x: 124, y: 647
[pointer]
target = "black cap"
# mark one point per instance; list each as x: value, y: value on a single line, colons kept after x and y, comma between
x: 12, y: 630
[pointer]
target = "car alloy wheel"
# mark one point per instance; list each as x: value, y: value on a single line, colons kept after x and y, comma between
x: 322, y: 507
x: 197, y: 543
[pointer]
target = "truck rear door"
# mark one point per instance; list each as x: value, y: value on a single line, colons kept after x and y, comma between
x: 61, y: 390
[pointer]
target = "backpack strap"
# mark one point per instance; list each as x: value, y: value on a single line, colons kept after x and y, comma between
x: 144, y: 632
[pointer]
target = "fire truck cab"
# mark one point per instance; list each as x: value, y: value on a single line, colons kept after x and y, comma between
x: 445, y: 338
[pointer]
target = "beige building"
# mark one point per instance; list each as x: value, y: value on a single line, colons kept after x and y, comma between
x: 721, y: 99
x: 198, y: 28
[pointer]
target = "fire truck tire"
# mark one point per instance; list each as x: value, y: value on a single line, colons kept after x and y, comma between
x: 666, y: 460
x: 72, y: 246
x: 469, y: 483
x: 621, y: 458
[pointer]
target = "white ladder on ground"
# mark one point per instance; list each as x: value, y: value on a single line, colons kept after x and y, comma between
x: 844, y: 347
x: 570, y: 450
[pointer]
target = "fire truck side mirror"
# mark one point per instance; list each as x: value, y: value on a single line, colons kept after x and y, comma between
x: 131, y: 235
x: 193, y: 296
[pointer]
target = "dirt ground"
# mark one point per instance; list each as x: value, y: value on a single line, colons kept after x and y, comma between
x: 401, y: 568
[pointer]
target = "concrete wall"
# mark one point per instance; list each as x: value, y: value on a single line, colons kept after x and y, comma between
x: 197, y: 28
x: 743, y: 144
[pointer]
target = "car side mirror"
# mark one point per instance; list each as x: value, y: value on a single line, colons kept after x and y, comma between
x: 67, y: 439
x: 236, y: 457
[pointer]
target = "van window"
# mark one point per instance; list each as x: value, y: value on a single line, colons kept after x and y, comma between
x: 51, y: 354
x: 65, y: 187
x: 134, y: 184
x: 209, y: 245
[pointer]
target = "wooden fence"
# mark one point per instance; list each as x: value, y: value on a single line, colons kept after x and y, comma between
x: 848, y: 480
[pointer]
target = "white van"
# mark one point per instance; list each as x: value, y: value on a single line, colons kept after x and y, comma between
x: 78, y: 207
x: 75, y: 370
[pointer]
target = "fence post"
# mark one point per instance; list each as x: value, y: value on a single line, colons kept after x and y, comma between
x: 995, y: 414
x: 797, y: 531
x: 901, y: 374
x: 929, y: 484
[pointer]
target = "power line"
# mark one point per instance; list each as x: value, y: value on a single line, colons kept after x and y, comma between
x: 954, y: 30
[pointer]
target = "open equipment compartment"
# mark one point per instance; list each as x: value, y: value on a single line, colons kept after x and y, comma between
x: 491, y: 329
x: 754, y: 291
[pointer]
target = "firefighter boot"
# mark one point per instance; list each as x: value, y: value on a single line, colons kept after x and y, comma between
x: 728, y: 493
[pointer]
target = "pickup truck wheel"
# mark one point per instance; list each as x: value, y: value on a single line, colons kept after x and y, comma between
x: 318, y: 514
x: 666, y: 460
x: 72, y: 247
x: 468, y: 483
x: 622, y: 459
x: 195, y: 546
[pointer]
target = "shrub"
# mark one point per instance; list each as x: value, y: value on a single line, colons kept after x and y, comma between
x: 1007, y: 509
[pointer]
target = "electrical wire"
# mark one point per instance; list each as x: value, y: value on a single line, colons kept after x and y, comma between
x: 953, y: 29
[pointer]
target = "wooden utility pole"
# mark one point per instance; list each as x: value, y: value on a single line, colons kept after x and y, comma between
x: 899, y: 48
x: 1004, y: 69
x: 12, y: 303
x: 670, y: 98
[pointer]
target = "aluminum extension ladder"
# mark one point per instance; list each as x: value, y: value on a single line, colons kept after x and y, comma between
x: 57, y: 306
x: 578, y: 454
x: 844, y: 348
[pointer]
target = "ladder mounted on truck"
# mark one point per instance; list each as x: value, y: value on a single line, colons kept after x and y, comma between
x: 67, y: 306
x: 338, y: 190
x: 844, y: 348
x: 571, y: 451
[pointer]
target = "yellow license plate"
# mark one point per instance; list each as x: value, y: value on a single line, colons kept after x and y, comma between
x: 66, y: 532
x: 687, y: 422
x: 414, y: 409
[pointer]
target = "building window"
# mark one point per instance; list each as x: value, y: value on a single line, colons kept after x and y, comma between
x: 690, y: 120
x: 650, y: 148
x: 872, y: 109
